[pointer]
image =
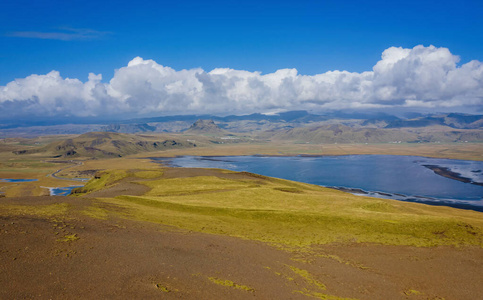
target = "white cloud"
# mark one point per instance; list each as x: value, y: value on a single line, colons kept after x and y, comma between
x: 421, y: 77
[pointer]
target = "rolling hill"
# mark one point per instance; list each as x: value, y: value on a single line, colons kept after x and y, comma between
x: 339, y: 133
x: 205, y: 127
x: 108, y: 144
x: 453, y: 120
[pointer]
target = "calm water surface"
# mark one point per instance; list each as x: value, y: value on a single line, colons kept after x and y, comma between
x: 16, y: 180
x: 58, y: 191
x: 63, y: 191
x: 385, y: 176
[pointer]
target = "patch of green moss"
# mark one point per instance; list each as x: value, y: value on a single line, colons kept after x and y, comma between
x: 96, y: 212
x: 230, y: 283
x: 308, y: 277
x: 379, y: 207
x: 320, y: 295
x: 411, y: 292
x: 69, y: 238
x: 313, y: 286
x: 194, y: 185
x: 288, y: 190
x: 162, y: 288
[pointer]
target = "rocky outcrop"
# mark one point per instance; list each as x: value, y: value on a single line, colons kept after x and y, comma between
x: 205, y: 127
x: 107, y: 144
x: 129, y: 128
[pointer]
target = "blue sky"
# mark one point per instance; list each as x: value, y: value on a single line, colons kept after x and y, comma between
x: 76, y: 37
x: 312, y: 36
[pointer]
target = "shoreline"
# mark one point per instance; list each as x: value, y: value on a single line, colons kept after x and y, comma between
x: 302, y: 155
x: 462, y: 204
x: 471, y: 152
x: 476, y: 205
x: 447, y: 173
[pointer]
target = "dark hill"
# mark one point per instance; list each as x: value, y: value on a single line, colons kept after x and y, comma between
x: 338, y: 133
x: 205, y: 127
x: 344, y: 134
x: 109, y: 144
x: 454, y: 120
x: 129, y: 128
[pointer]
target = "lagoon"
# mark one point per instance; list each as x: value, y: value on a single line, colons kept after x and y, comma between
x: 62, y: 191
x: 406, y: 178
x: 16, y: 180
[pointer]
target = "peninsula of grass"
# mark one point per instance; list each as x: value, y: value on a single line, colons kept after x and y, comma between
x: 286, y: 213
x: 99, y: 182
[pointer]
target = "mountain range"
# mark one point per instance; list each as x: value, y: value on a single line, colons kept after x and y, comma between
x: 297, y: 126
x: 107, y: 144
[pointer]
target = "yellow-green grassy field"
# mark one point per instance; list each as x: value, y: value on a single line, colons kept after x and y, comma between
x: 284, y: 213
x: 467, y: 151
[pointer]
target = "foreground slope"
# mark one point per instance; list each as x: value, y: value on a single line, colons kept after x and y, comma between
x: 280, y: 212
x: 214, y: 234
x: 137, y: 230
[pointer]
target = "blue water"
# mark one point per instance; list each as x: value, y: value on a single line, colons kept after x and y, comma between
x: 16, y: 180
x: 385, y: 176
x: 60, y: 191
x: 63, y: 191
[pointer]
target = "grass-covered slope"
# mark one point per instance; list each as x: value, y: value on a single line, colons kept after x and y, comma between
x: 283, y: 212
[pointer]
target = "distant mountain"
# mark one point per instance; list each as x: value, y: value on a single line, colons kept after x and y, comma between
x: 128, y: 128
x: 288, y: 116
x: 163, y: 119
x: 108, y: 144
x: 355, y: 115
x: 35, y: 131
x: 339, y: 133
x: 269, y: 124
x: 464, y: 121
x: 205, y: 127
x: 453, y: 120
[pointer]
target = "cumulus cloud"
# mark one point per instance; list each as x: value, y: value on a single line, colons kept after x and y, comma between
x: 421, y: 77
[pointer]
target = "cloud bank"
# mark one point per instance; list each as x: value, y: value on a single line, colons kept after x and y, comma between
x: 417, y: 78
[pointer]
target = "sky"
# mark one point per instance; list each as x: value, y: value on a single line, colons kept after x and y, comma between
x: 146, y: 58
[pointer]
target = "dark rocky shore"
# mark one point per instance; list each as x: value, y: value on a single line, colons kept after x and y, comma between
x: 446, y: 172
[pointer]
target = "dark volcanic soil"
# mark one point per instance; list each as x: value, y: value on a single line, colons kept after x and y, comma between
x: 122, y: 259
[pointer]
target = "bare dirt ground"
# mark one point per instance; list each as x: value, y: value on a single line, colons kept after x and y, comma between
x: 122, y: 259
